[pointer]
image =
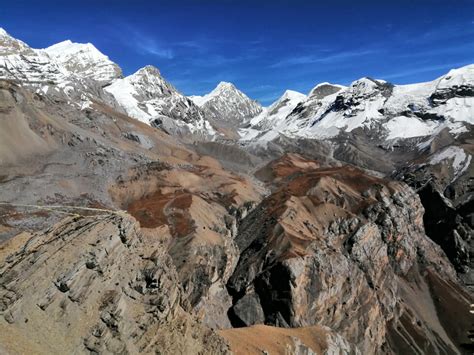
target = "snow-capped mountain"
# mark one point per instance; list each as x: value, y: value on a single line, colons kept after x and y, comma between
x: 21, y: 63
x: 227, y: 104
x: 79, y: 73
x: 50, y: 73
x: 274, y: 115
x: 382, y: 110
x: 148, y: 97
x: 85, y: 60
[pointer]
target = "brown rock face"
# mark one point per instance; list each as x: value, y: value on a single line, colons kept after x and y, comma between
x: 340, y: 248
x: 195, y: 209
x: 96, y: 284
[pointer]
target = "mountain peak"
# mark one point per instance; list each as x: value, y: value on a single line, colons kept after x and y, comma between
x: 364, y: 80
x: 289, y: 94
x: 228, y: 103
x: 324, y: 89
x: 146, y: 82
x: 367, y: 86
x: 150, y: 75
x: 85, y: 60
x: 149, y: 69
x: 68, y: 48
x: 224, y: 85
x: 62, y: 43
x: 11, y: 45
x: 457, y: 77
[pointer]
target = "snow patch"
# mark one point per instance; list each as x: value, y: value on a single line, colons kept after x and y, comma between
x: 460, y: 160
x: 409, y: 127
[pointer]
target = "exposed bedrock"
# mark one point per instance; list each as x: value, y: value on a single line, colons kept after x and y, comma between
x: 97, y: 285
x: 334, y: 246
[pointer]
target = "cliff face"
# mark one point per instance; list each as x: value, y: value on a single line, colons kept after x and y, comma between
x: 339, y: 248
x: 96, y: 284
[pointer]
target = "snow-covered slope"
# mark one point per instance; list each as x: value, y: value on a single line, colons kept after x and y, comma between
x: 382, y: 110
x: 85, y: 60
x: 80, y: 73
x: 21, y: 63
x: 274, y: 115
x: 10, y: 45
x: 228, y: 104
x: 42, y: 71
x: 148, y: 97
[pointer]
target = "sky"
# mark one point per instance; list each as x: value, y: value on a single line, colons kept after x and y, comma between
x: 263, y: 47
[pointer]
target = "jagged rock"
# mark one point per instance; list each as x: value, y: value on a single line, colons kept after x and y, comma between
x: 247, y: 311
x: 130, y: 302
x: 310, y: 259
x: 148, y: 97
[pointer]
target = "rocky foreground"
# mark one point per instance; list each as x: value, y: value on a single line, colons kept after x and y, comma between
x: 336, y: 259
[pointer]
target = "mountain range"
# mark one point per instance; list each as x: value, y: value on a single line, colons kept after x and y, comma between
x: 136, y: 219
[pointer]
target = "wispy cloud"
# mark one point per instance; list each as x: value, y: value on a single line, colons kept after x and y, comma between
x: 422, y: 69
x: 151, y: 46
x: 143, y: 43
x: 439, y: 34
x: 225, y: 60
x: 313, y: 59
x: 466, y: 48
x: 261, y: 88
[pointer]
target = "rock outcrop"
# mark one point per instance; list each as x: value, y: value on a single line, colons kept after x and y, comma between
x: 334, y: 246
x: 96, y: 284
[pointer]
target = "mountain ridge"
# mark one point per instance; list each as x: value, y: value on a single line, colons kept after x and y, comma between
x: 227, y: 112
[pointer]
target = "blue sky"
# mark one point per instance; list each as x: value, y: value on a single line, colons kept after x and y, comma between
x: 263, y: 47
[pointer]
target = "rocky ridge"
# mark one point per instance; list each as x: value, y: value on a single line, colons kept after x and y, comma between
x: 146, y: 96
x: 384, y: 111
x: 325, y: 231
x: 85, y: 60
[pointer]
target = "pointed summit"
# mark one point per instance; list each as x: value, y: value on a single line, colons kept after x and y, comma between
x: 291, y: 94
x: 68, y: 47
x: 276, y: 113
x: 224, y: 85
x: 149, y: 69
x: 227, y: 103
x: 148, y: 97
x: 150, y: 80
